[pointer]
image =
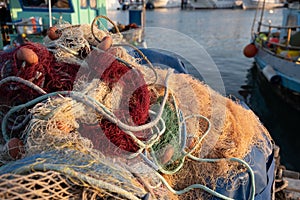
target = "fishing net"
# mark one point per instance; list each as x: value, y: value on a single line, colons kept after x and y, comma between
x: 113, y: 128
x: 22, y: 81
x: 71, y: 46
x: 49, y: 176
x: 236, y: 136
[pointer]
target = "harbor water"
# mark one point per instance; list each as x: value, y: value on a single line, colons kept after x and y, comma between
x: 212, y: 42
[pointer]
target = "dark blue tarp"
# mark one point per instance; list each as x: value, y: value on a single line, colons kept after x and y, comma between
x: 162, y: 59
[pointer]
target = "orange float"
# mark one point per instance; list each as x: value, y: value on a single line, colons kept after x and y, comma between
x: 53, y: 33
x: 27, y: 55
x: 167, y: 155
x: 106, y: 43
x: 250, y: 50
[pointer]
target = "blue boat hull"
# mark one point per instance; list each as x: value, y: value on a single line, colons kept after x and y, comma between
x: 287, y: 82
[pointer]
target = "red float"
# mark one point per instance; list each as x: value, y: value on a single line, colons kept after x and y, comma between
x: 250, y: 50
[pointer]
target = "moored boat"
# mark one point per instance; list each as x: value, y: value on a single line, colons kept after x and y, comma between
x: 149, y: 4
x: 267, y: 4
x: 204, y: 4
x: 32, y: 19
x: 276, y: 51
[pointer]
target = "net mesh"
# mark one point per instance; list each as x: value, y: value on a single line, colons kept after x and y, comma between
x: 235, y: 134
x: 65, y: 174
x: 112, y: 128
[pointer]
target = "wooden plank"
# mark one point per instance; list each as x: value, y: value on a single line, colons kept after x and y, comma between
x: 291, y: 195
x: 291, y: 174
x: 293, y: 184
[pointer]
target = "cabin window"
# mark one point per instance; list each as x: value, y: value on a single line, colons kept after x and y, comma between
x: 93, y: 4
x: 88, y: 3
x: 43, y: 5
x: 83, y: 3
x: 292, y: 20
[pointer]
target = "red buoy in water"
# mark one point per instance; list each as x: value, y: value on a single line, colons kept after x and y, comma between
x: 250, y: 50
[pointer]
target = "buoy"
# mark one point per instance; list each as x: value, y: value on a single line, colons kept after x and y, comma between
x: 190, y: 142
x: 27, y: 55
x: 15, y: 148
x: 53, y: 33
x: 105, y: 43
x: 167, y: 155
x: 64, y: 127
x: 250, y: 50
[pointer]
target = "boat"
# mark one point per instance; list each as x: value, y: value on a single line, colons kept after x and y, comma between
x: 149, y: 4
x: 33, y: 20
x: 259, y: 4
x: 276, y: 52
x: 207, y: 4
x: 126, y: 4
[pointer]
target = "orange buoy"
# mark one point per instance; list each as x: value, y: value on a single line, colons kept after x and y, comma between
x: 63, y: 127
x: 105, y: 43
x: 167, y: 155
x: 250, y: 50
x: 27, y: 55
x: 53, y: 33
x: 190, y: 142
x: 15, y: 148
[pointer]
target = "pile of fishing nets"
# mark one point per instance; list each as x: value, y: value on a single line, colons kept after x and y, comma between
x: 82, y: 119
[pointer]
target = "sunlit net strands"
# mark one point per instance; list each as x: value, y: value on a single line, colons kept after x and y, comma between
x: 97, y: 124
x: 85, y: 177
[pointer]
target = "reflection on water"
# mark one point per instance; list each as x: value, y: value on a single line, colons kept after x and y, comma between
x: 279, y: 118
x: 222, y: 34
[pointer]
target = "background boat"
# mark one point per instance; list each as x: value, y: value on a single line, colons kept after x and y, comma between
x: 276, y: 50
x: 202, y: 4
x: 33, y: 20
x: 269, y: 4
x: 149, y: 4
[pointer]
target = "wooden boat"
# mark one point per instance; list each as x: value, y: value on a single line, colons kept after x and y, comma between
x: 34, y: 19
x: 268, y: 4
x: 276, y: 51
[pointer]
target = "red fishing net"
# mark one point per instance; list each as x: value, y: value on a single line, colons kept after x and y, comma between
x: 47, y: 73
x: 134, y: 104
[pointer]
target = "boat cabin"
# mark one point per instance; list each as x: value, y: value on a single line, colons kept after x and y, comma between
x: 291, y: 20
x: 34, y: 17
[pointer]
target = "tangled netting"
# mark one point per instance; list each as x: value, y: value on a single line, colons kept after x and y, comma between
x: 81, y: 122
